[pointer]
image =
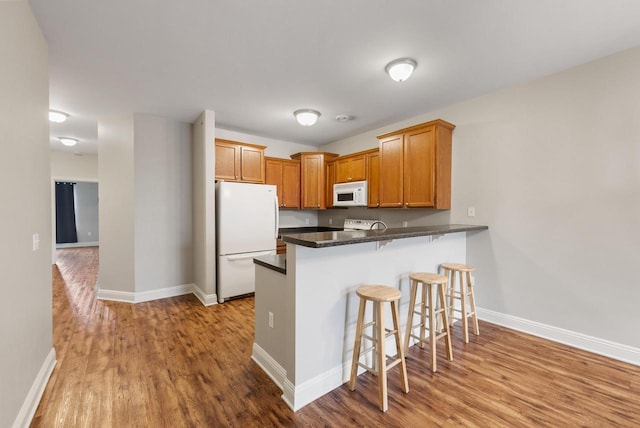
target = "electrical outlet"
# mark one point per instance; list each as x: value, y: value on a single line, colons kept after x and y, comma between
x: 471, y: 212
x: 35, y: 239
x: 306, y: 221
x: 89, y: 233
x: 405, y: 224
x: 330, y: 221
x: 271, y: 319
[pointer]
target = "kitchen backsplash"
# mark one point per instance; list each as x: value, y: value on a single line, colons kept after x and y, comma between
x: 296, y: 218
x: 391, y: 217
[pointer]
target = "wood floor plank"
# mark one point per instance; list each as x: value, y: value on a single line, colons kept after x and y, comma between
x: 176, y: 363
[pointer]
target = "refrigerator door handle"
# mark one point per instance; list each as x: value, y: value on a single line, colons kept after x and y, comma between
x: 251, y: 256
x: 277, y: 214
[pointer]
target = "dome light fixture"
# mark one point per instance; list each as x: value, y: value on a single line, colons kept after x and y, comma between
x: 57, y: 116
x: 401, y: 69
x: 306, y: 117
x: 67, y: 141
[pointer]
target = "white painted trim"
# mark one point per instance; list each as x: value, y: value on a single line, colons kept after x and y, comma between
x: 275, y: 371
x: 614, y: 350
x: 78, y: 244
x: 288, y: 393
x: 31, y: 401
x: 145, y: 296
x: 205, y: 299
x: 314, y: 388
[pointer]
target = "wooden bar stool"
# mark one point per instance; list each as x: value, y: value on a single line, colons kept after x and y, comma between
x: 464, y: 291
x: 428, y: 310
x: 379, y: 294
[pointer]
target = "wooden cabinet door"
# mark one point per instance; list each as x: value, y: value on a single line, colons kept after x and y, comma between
x: 358, y: 168
x: 252, y: 164
x: 290, y: 185
x: 391, y: 171
x: 273, y: 175
x: 373, y: 180
x: 227, y: 162
x: 352, y: 168
x: 342, y: 171
x: 312, y: 177
x: 331, y: 180
x: 419, y: 168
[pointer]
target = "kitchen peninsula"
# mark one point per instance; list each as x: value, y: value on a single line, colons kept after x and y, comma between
x: 306, y: 305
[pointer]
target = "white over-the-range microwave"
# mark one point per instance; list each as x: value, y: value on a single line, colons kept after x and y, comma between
x: 352, y: 194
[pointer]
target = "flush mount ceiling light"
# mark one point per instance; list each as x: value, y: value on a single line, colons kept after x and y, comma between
x: 401, y: 69
x: 68, y: 141
x: 306, y: 117
x: 57, y: 116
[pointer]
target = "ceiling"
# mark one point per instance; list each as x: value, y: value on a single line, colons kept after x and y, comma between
x: 254, y: 62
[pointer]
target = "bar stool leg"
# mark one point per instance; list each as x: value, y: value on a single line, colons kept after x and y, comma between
x: 403, y: 365
x: 381, y: 355
x: 445, y: 321
x: 432, y: 330
x: 452, y: 291
x: 412, y: 308
x: 423, y: 315
x: 463, y: 308
x: 356, y: 348
x: 472, y: 298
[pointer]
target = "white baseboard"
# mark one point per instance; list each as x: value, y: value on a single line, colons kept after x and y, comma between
x: 596, y: 345
x: 31, y: 401
x: 205, y: 299
x: 275, y: 371
x: 78, y: 244
x: 299, y: 396
x: 145, y: 296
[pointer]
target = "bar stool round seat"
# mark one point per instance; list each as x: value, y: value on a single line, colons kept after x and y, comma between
x: 378, y: 295
x: 428, y: 310
x: 461, y: 287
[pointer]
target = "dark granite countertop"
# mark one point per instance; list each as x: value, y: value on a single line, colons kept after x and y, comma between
x: 277, y: 262
x: 306, y: 229
x: 335, y: 238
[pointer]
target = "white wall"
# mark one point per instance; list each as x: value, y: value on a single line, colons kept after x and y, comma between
x: 163, y: 208
x: 116, y: 193
x: 86, y: 206
x: 26, y: 353
x: 70, y: 167
x: 278, y: 149
x: 203, y: 194
x: 146, y: 232
x: 553, y: 168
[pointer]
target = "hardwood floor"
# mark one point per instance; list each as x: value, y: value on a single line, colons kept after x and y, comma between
x: 176, y: 363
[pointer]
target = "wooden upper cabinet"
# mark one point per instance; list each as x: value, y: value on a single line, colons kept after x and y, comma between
x: 391, y: 171
x: 290, y: 184
x: 373, y: 179
x: 227, y: 161
x: 285, y: 174
x: 415, y: 166
x: 419, y: 171
x: 351, y: 168
x: 312, y: 178
x: 239, y: 162
x: 331, y: 180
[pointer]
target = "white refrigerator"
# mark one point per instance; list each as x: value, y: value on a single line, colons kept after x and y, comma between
x: 246, y: 227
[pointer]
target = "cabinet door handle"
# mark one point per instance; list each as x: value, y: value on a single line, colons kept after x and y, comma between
x: 399, y: 204
x: 407, y: 204
x: 377, y: 204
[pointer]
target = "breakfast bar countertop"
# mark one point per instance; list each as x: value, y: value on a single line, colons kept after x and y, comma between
x: 347, y: 237
x: 276, y: 262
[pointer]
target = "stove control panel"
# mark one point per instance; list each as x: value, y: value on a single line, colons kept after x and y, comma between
x: 356, y: 224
